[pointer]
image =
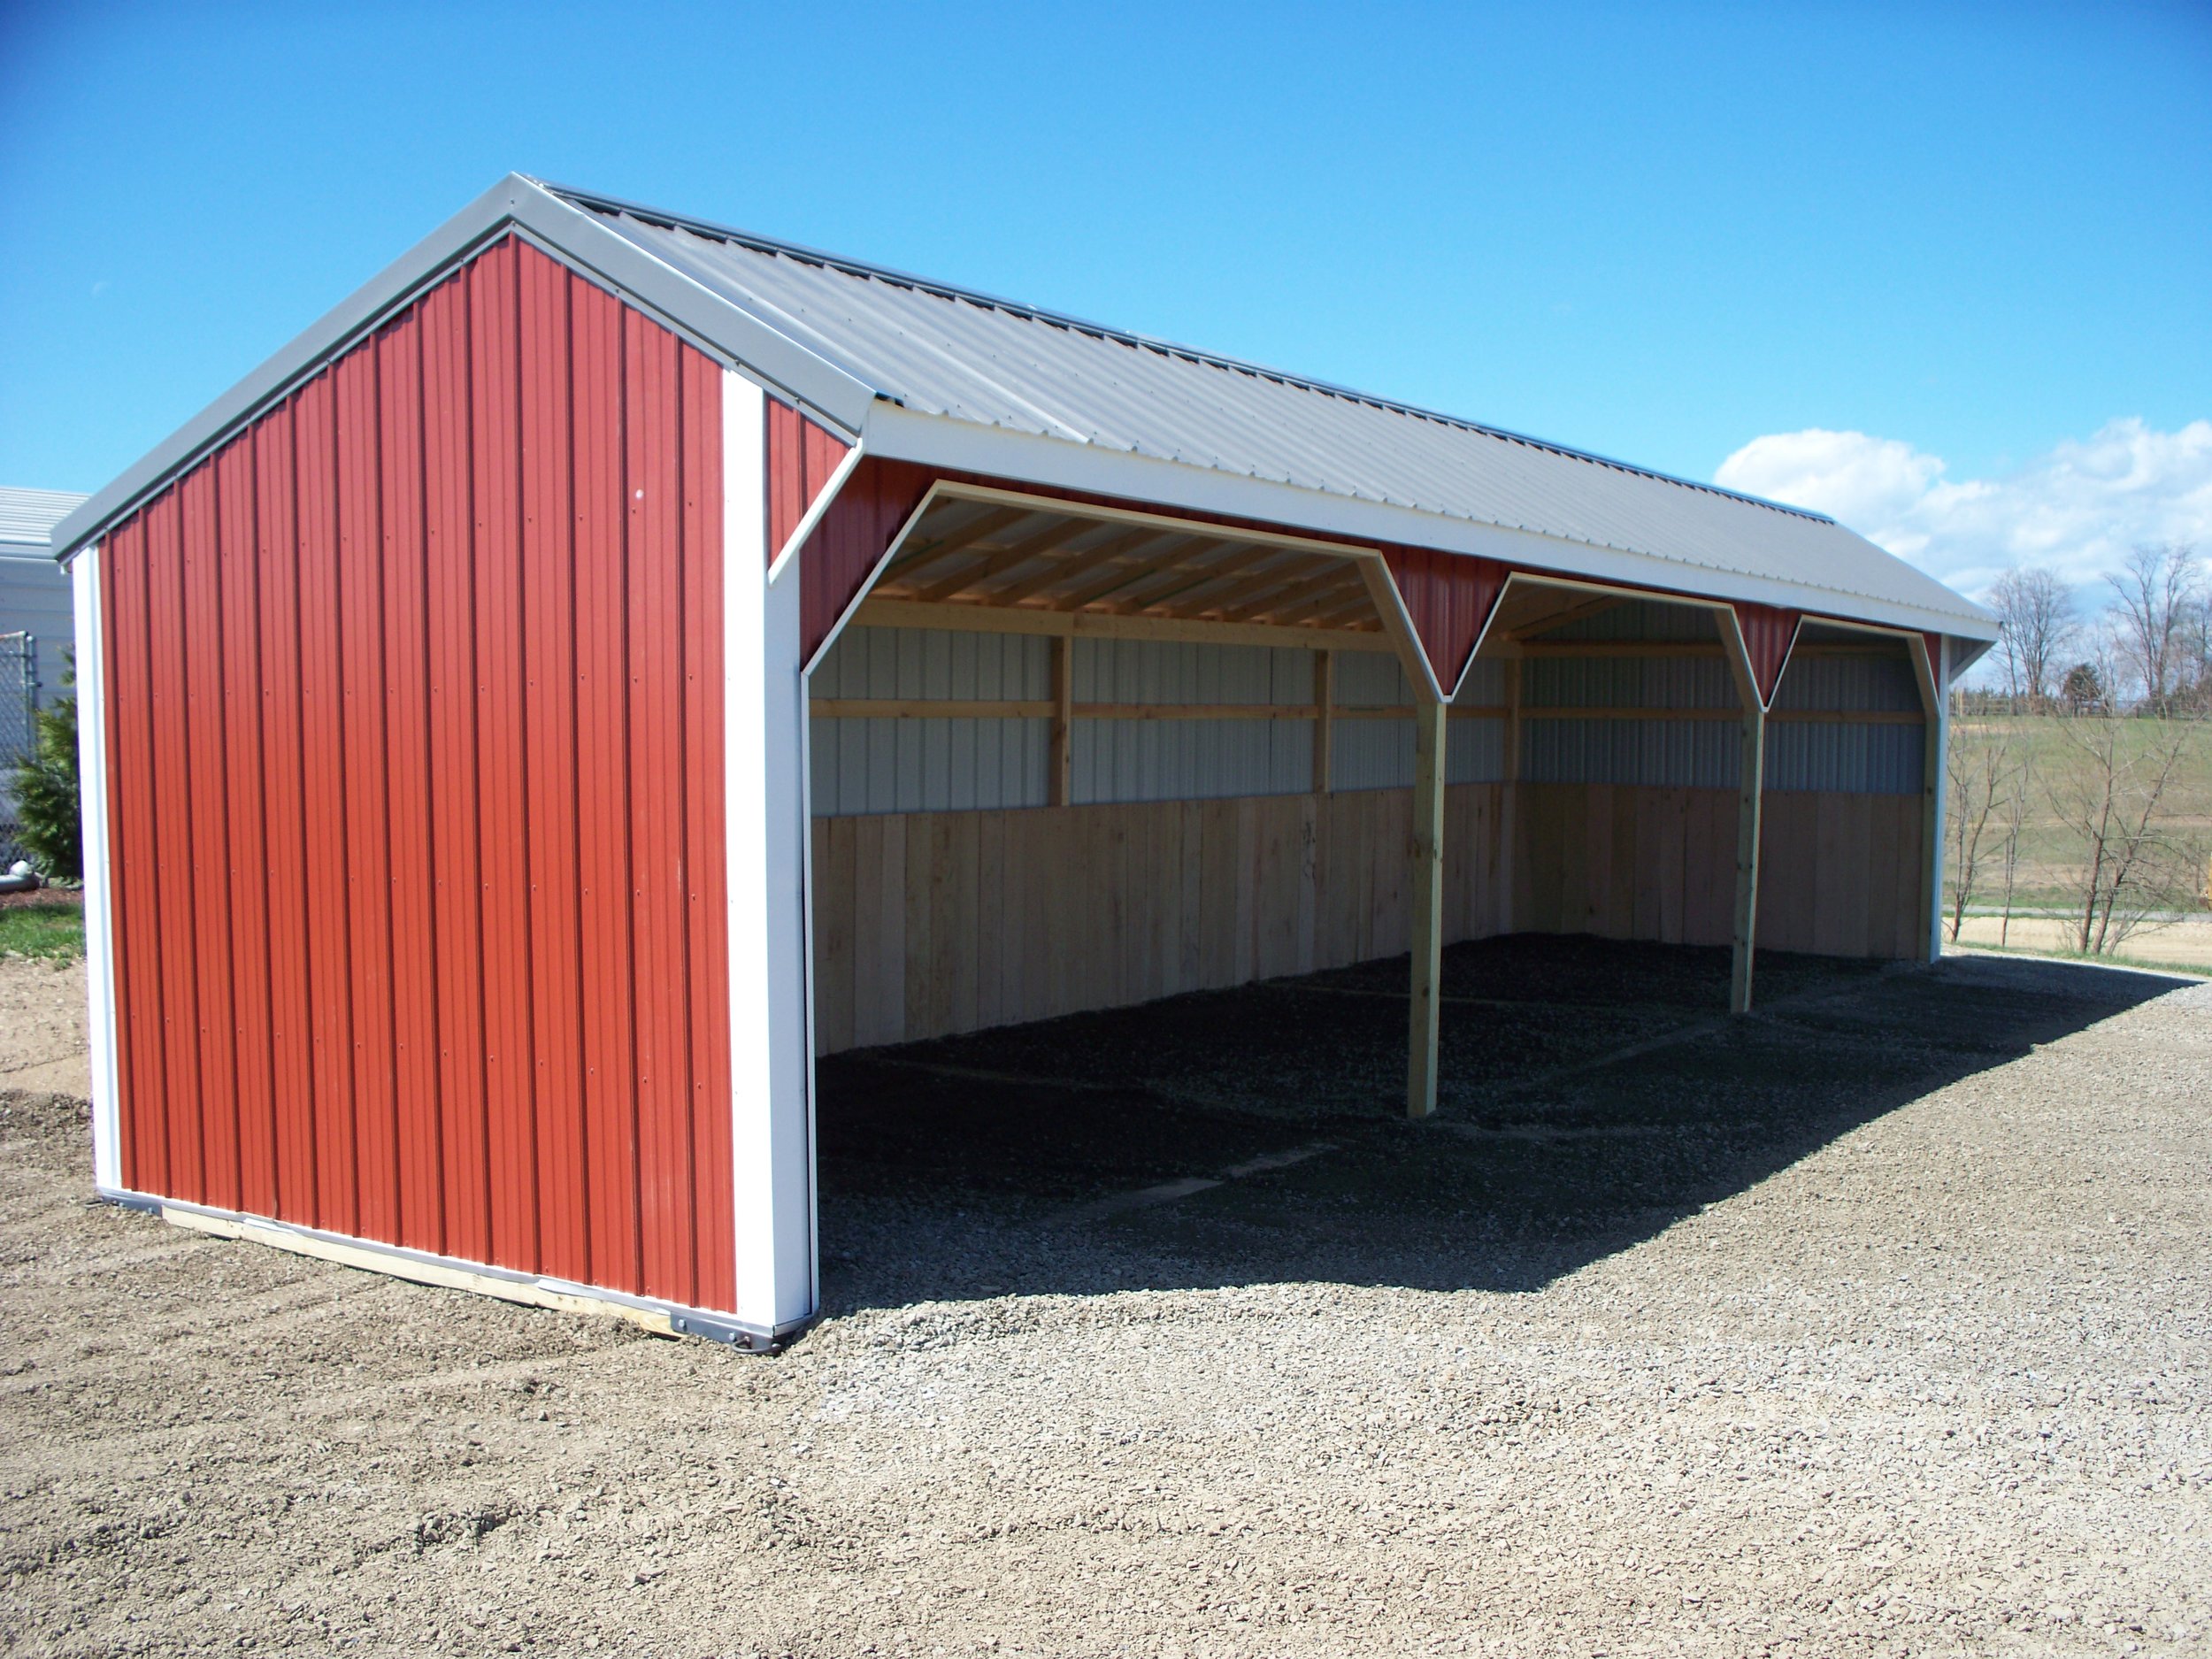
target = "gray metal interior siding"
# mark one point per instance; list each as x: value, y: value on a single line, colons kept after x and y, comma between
x: 1828, y: 756
x: 1640, y: 619
x: 931, y: 765
x: 1627, y: 683
x: 1673, y: 754
x: 889, y: 765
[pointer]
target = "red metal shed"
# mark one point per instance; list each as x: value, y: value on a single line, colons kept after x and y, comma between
x: 466, y: 893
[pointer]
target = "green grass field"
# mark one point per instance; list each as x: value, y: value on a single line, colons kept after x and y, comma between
x: 2051, y: 853
x: 42, y: 930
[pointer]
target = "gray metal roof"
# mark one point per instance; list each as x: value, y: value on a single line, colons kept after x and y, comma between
x: 943, y: 351
x: 925, y: 371
x: 28, y: 517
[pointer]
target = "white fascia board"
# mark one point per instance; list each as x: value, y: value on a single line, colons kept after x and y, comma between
x: 99, y: 938
x: 569, y: 233
x: 894, y: 433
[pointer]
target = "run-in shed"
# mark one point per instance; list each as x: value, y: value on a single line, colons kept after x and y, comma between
x: 612, y: 659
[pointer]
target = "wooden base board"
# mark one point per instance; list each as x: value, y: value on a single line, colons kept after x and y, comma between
x: 529, y: 1292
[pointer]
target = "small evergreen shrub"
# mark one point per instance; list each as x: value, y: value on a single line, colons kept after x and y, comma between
x: 47, y: 821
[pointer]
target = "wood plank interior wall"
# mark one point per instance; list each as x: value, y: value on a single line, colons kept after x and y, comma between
x: 927, y: 924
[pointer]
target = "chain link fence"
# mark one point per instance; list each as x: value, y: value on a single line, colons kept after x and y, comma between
x: 18, y: 702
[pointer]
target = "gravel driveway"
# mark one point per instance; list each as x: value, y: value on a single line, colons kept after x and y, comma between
x: 1875, y: 1325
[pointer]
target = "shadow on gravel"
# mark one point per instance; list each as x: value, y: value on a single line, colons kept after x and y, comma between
x: 1592, y: 1097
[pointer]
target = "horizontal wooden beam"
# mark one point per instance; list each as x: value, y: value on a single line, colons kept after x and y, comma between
x: 1615, y: 648
x: 900, y: 613
x: 1044, y: 709
x: 1830, y: 717
x: 1674, y: 647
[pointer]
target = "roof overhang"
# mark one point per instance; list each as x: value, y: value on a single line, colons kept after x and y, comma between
x: 895, y: 434
x: 733, y: 335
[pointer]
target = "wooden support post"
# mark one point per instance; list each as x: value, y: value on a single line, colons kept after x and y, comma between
x: 1509, y: 803
x: 1324, y: 720
x: 1935, y: 695
x: 1752, y: 788
x: 1427, y: 888
x: 1059, y: 766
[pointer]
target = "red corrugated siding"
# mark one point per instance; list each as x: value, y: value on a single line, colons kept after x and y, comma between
x: 1449, y: 596
x: 850, y: 537
x: 800, y: 457
x: 416, y: 769
x: 1767, y: 634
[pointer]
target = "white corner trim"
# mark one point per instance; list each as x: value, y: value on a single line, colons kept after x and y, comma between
x: 763, y: 725
x: 99, y: 924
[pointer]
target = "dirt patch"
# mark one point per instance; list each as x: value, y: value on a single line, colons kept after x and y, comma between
x: 1874, y: 1326
x: 42, y: 1026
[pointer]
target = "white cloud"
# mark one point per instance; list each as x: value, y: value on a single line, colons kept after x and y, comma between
x: 2077, y: 509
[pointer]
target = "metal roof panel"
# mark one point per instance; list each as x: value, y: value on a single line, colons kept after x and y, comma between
x: 938, y: 350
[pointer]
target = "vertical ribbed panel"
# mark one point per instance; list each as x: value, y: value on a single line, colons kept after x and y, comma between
x: 1189, y: 759
x: 886, y: 765
x: 416, y: 766
x: 1846, y: 756
x: 800, y: 457
x: 850, y: 538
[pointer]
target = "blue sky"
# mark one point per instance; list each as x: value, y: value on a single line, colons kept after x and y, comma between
x: 1946, y: 271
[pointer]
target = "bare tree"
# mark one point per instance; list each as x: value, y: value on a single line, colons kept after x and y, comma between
x: 1978, y: 762
x: 2192, y: 653
x: 2110, y: 790
x: 2015, y: 815
x: 2036, y: 610
x: 2156, y: 590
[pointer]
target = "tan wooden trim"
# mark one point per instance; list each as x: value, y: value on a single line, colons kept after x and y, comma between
x: 1003, y: 709
x: 1194, y: 711
x: 1544, y: 711
x: 1509, y: 803
x: 949, y: 489
x: 391, y: 1262
x: 1750, y: 800
x: 1675, y: 648
x: 902, y: 613
x: 1428, y: 919
x: 1573, y: 613
x: 1060, y: 762
x: 1621, y: 648
x: 1849, y: 717
x: 1823, y: 716
x: 1325, y: 720
x: 928, y: 709
x: 995, y: 562
x: 1929, y: 670
x: 1837, y: 647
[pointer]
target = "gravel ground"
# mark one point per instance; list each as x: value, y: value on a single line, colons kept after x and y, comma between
x: 1875, y: 1325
